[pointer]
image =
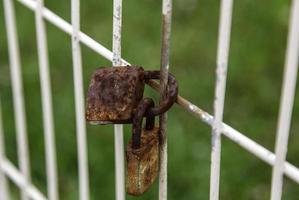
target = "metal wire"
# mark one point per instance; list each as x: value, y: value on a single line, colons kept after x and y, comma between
x: 166, y: 31
x: 49, y: 134
x: 18, y: 97
x: 4, y: 190
x: 287, y: 101
x: 118, y: 129
x: 79, y: 103
x: 221, y: 71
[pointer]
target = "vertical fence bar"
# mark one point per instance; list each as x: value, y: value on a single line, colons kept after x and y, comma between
x: 118, y: 129
x: 18, y: 97
x: 287, y: 100
x: 79, y: 101
x: 4, y: 192
x: 221, y: 72
x: 165, y: 51
x: 49, y: 135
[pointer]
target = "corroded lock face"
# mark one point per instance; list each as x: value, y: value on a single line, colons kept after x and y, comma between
x: 142, y: 151
x: 114, y: 93
x: 143, y: 162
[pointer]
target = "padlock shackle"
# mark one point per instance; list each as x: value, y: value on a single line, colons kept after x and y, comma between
x: 141, y: 111
x: 171, y: 95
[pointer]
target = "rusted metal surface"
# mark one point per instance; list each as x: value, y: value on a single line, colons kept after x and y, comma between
x: 164, y: 68
x: 115, y: 96
x: 142, y: 151
x: 143, y: 163
x: 142, y: 111
x: 114, y: 93
x: 170, y: 94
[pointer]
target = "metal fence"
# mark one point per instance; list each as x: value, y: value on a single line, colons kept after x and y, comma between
x: 21, y: 175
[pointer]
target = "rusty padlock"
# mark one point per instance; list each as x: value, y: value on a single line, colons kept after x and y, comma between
x: 114, y: 94
x: 142, y: 152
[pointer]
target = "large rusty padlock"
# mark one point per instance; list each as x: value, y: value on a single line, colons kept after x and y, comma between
x: 114, y: 94
x: 142, y: 151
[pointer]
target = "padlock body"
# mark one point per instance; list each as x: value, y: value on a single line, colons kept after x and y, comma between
x: 143, y: 163
x: 114, y: 93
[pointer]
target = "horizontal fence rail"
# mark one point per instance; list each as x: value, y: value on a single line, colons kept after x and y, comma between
x: 21, y: 176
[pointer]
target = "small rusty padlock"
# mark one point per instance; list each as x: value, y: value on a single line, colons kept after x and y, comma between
x: 142, y: 151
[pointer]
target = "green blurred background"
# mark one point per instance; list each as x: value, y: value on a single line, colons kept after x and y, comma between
x: 258, y: 44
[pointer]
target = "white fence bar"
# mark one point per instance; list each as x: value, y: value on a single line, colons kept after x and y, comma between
x: 287, y: 100
x: 221, y: 71
x: 79, y: 101
x: 166, y: 32
x: 118, y: 129
x: 17, y: 89
x: 4, y: 192
x: 19, y: 179
x: 49, y: 135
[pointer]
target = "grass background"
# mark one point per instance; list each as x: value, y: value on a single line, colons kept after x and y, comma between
x: 258, y: 44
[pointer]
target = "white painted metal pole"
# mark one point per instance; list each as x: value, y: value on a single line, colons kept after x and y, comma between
x: 49, y: 135
x: 4, y: 192
x: 287, y: 100
x: 79, y: 101
x: 165, y: 51
x: 118, y: 129
x: 221, y: 71
x: 18, y: 97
